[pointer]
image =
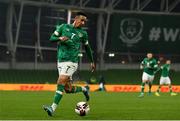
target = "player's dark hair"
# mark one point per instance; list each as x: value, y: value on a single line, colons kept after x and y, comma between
x: 81, y: 13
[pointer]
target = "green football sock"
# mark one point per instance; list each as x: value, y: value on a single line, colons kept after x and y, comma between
x: 150, y: 85
x: 170, y: 88
x: 142, y: 87
x: 159, y: 88
x: 58, y: 94
x: 76, y: 89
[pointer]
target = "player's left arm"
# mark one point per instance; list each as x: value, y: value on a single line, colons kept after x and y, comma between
x: 90, y: 55
x: 156, y: 67
x: 89, y: 51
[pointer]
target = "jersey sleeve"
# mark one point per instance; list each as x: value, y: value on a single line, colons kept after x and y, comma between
x: 87, y: 47
x: 57, y: 33
x: 59, y: 29
x: 143, y: 62
x: 156, y: 68
x: 85, y: 39
x: 155, y: 64
x: 161, y: 67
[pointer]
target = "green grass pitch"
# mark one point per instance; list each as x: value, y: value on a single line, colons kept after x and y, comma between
x: 103, y: 106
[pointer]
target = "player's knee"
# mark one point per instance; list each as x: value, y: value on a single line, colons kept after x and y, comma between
x: 63, y: 79
x: 68, y: 90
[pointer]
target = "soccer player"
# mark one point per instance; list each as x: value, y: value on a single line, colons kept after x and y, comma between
x: 149, y: 66
x: 69, y: 38
x: 164, y: 79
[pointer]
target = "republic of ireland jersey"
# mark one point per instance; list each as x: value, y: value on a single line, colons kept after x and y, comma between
x: 150, y: 65
x: 68, y: 50
x: 165, y: 70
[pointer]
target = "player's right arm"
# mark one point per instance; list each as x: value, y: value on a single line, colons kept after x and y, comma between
x: 56, y: 36
x: 142, y: 64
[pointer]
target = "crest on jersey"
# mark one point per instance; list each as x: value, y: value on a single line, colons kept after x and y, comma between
x: 130, y: 30
x: 80, y: 34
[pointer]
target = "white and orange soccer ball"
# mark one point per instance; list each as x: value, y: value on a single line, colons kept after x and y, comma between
x: 82, y: 108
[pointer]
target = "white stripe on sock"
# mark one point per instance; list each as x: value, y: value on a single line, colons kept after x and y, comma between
x: 59, y: 92
x: 84, y: 89
x: 142, y: 86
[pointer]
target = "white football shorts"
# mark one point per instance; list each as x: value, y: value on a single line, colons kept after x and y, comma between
x: 165, y: 80
x: 67, y: 68
x: 147, y: 77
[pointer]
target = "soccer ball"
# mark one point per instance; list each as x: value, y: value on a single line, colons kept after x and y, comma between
x: 82, y: 108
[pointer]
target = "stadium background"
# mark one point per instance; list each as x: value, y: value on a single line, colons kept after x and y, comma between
x: 121, y: 32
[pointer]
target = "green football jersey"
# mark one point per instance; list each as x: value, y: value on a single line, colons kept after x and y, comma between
x: 68, y: 50
x: 165, y: 70
x: 149, y: 65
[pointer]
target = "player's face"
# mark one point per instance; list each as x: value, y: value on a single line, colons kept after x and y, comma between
x: 80, y: 21
x: 149, y: 55
x: 168, y: 62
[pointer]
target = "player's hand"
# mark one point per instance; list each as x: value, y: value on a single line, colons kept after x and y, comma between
x: 63, y: 38
x: 93, y: 67
x: 141, y: 67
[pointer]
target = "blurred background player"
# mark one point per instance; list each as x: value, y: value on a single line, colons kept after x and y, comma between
x: 69, y: 37
x: 164, y: 79
x: 149, y: 66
